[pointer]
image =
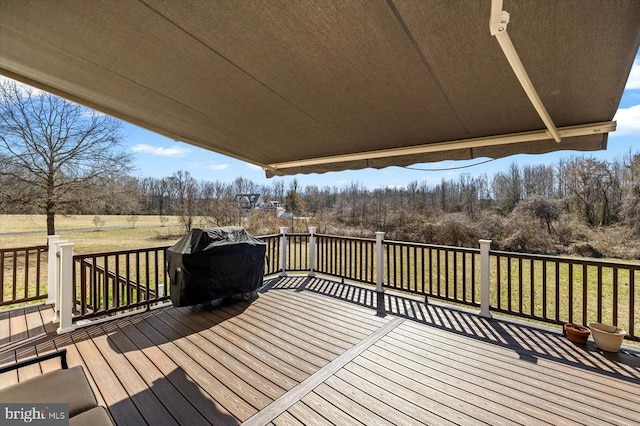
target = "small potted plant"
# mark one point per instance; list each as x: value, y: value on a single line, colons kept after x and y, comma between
x: 577, y: 333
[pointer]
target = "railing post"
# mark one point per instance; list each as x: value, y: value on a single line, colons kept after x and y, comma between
x: 65, y: 290
x: 283, y: 251
x: 485, y: 275
x: 379, y: 262
x: 312, y: 251
x: 51, y: 269
x: 56, y: 279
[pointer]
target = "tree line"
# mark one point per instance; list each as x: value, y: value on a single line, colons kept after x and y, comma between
x: 578, y: 205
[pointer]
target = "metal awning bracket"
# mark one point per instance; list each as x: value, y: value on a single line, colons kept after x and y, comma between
x: 498, y: 25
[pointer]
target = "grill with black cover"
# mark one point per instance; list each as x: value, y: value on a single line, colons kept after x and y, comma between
x: 209, y: 264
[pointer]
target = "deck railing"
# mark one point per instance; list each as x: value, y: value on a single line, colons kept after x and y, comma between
x: 23, y: 275
x: 272, y: 261
x: 346, y: 257
x: 448, y: 273
x: 297, y: 252
x: 118, y: 280
x: 546, y: 288
x: 558, y: 290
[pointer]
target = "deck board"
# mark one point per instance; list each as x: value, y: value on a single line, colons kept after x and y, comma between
x: 212, y: 376
x: 319, y: 346
x: 153, y: 379
x: 248, y: 347
x: 121, y: 407
x: 347, y: 405
x: 286, y: 419
x: 353, y: 387
x: 186, y: 388
x: 18, y: 325
x: 319, y: 341
x: 235, y: 363
x: 302, y: 361
x: 147, y: 403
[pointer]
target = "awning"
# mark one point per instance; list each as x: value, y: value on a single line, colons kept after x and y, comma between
x: 312, y: 86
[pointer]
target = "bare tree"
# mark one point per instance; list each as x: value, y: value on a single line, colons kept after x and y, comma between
x: 58, y: 151
x: 595, y: 190
x: 186, y: 189
x: 507, y: 188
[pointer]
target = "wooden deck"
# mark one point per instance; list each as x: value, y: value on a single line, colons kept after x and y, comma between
x: 313, y: 351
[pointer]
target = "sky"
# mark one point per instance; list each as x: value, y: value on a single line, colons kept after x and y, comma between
x: 157, y: 156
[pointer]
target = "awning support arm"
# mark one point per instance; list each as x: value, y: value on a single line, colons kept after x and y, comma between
x: 498, y: 28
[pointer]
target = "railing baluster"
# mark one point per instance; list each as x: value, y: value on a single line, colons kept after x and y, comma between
x: 520, y: 279
x: 474, y: 300
x: 38, y: 261
x: 599, y: 291
x: 156, y: 275
x: 399, y: 277
x: 15, y: 274
x: 118, y: 283
x: 499, y: 280
x: 632, y: 297
x: 105, y: 273
x: 83, y: 288
x: 544, y: 290
x: 138, y: 289
x: 2, y: 278
x: 532, y: 285
x: 430, y: 271
x: 438, y: 271
x: 26, y: 273
x: 146, y: 275
x: 127, y: 287
x: 557, y: 290
x: 614, y: 272
x: 570, y: 290
x: 585, y: 318
x: 509, y: 295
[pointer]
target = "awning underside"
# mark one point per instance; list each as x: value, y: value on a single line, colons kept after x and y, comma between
x: 281, y: 81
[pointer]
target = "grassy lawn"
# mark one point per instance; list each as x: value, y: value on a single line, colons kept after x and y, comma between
x: 17, y: 223
x: 147, y: 232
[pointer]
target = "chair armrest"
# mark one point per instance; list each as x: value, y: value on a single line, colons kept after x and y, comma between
x: 62, y: 353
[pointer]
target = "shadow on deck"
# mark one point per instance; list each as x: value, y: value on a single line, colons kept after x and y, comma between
x: 529, y: 341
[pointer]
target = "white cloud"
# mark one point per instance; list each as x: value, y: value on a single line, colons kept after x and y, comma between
x: 628, y: 121
x: 634, y: 76
x: 254, y: 167
x: 218, y: 166
x: 160, y: 151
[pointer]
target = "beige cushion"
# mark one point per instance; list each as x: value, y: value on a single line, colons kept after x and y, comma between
x: 61, y: 386
x: 95, y: 417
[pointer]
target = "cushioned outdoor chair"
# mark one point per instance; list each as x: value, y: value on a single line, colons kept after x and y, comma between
x: 65, y: 386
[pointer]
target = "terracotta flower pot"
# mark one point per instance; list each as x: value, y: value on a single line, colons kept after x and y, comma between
x: 607, y: 337
x: 577, y: 333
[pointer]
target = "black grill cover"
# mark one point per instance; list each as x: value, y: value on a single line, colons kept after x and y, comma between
x: 207, y: 264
